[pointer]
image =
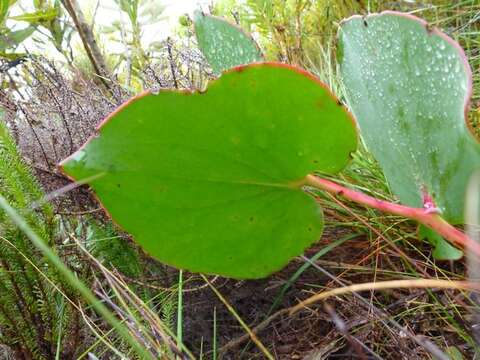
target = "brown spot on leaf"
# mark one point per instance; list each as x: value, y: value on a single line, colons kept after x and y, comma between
x: 429, y: 28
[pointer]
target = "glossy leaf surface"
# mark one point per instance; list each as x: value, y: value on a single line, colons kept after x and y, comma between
x: 408, y: 86
x: 212, y: 182
x: 223, y: 44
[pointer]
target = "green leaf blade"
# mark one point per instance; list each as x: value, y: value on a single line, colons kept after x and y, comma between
x: 408, y: 86
x: 211, y: 182
x: 37, y: 17
x: 223, y: 44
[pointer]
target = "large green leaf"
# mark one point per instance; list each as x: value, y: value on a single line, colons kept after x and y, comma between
x: 408, y: 86
x: 223, y: 44
x: 211, y: 181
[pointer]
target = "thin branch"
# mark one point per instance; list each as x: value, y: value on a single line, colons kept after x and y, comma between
x: 172, y: 62
x: 89, y: 42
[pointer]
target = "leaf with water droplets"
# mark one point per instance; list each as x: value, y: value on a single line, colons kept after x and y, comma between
x: 212, y: 182
x: 223, y: 44
x: 408, y: 86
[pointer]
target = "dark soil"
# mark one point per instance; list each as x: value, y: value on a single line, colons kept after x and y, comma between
x: 310, y: 334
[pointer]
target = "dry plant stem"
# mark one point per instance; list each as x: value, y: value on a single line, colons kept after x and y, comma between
x: 433, y: 221
x: 410, y: 283
x: 394, y: 284
x: 88, y: 39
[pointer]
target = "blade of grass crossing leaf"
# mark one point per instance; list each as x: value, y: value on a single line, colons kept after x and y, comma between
x: 72, y: 279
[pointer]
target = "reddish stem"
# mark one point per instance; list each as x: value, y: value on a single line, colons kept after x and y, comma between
x: 423, y: 216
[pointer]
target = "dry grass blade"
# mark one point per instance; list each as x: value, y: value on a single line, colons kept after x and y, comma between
x: 386, y: 320
x: 144, y: 324
x: 393, y: 284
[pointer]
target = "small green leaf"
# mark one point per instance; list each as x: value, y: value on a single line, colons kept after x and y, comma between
x: 408, y: 85
x: 37, y: 17
x: 223, y: 44
x: 443, y: 250
x: 11, y: 39
x: 212, y: 181
x: 12, y: 56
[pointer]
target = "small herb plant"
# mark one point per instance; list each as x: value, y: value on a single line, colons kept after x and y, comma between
x: 213, y: 181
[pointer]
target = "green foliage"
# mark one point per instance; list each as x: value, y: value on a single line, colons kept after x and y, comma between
x: 297, y: 34
x: 4, y: 6
x: 36, y: 321
x: 58, y: 28
x: 111, y: 250
x: 134, y: 59
x: 47, y: 14
x: 28, y: 303
x: 312, y: 45
x: 216, y: 187
x: 11, y: 39
x: 407, y: 85
x: 292, y: 30
x: 223, y: 44
x: 37, y: 17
